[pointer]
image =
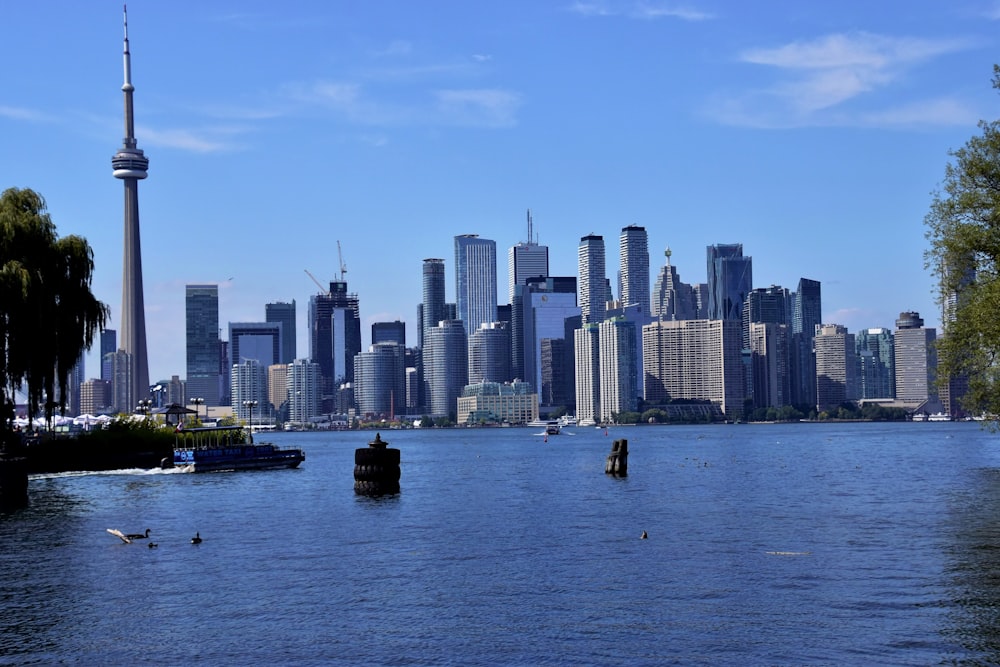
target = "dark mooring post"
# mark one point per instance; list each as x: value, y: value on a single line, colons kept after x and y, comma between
x: 13, y: 477
x: 617, y: 464
x: 376, y: 469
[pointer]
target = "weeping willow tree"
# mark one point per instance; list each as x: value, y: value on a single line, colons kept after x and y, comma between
x: 963, y: 227
x: 48, y: 315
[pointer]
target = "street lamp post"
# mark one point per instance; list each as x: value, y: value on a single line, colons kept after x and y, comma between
x: 197, y: 402
x: 144, y: 406
x: 250, y: 406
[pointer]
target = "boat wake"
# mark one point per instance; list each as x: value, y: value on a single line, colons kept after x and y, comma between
x: 124, y: 471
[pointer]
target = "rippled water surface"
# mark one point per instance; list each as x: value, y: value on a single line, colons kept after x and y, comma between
x: 768, y: 545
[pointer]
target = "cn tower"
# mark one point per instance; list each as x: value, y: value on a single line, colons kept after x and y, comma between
x: 130, y: 165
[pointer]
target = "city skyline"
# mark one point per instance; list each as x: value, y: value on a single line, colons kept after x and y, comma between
x: 811, y: 135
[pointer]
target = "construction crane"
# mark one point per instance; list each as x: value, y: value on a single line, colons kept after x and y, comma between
x: 322, y: 290
x: 343, y: 267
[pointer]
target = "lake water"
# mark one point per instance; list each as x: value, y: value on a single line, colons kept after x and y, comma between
x: 800, y: 544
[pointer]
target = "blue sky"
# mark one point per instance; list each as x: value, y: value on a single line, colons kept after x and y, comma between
x: 812, y: 133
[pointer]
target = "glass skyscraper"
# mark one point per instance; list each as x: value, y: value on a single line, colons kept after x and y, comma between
x: 634, y: 258
x: 592, y: 282
x: 202, y: 324
x: 283, y: 313
x: 730, y: 279
x: 475, y: 281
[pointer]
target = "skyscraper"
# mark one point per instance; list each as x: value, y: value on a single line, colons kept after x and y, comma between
x: 475, y: 281
x: 334, y: 337
x: 130, y: 165
x: 489, y: 353
x: 586, y: 346
x: 303, y: 390
x: 260, y: 341
x: 109, y: 344
x: 876, y: 363
x: 807, y: 313
x: 672, y: 299
x: 379, y: 380
x: 446, y: 369
x: 730, y: 279
x: 433, y: 306
x: 389, y: 332
x: 283, y: 313
x: 618, y: 351
x: 836, y: 366
x: 634, y: 257
x: 526, y: 260
x: 540, y: 313
x: 916, y: 361
x: 592, y: 282
x: 202, y: 342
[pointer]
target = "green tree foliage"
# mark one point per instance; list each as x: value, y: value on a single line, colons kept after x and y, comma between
x: 963, y: 228
x: 48, y: 315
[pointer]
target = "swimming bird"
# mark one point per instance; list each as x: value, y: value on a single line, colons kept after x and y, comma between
x: 644, y: 536
x: 196, y: 539
x: 120, y: 535
x: 152, y: 545
x: 138, y: 536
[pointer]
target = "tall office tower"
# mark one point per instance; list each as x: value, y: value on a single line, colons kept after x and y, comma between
x: 695, y: 359
x: 475, y: 281
x: 389, y: 332
x: 434, y: 308
x: 202, y: 338
x: 130, y: 165
x: 700, y: 301
x: 489, y: 353
x: 587, y: 355
x: 836, y: 366
x: 446, y: 366
x: 539, y: 312
x: 379, y: 380
x: 249, y: 382
x: 631, y: 313
x: 806, y: 315
x: 672, y: 299
x: 175, y: 391
x: 730, y: 279
x: 303, y: 390
x: 766, y: 304
x: 876, y: 363
x: 95, y: 396
x: 557, y: 379
x: 634, y: 258
x: 916, y: 360
x: 618, y: 363
x: 334, y: 338
x: 109, y: 343
x: 284, y: 314
x: 122, y: 399
x: 77, y: 376
x: 526, y: 260
x: 592, y: 281
x: 260, y: 341
x: 277, y: 387
x: 771, y: 381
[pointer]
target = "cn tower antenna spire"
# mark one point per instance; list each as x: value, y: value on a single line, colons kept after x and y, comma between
x: 130, y: 165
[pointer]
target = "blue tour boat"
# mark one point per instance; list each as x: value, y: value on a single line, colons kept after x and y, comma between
x: 225, y: 448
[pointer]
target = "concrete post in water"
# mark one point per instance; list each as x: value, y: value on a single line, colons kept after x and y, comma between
x: 13, y: 478
x: 376, y: 469
x: 617, y: 464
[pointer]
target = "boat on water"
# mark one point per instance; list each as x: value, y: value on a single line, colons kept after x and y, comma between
x: 227, y: 448
x: 552, y: 428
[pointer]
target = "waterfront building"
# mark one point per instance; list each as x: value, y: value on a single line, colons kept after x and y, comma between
x: 379, y: 380
x: 202, y: 342
x: 475, y: 281
x: 433, y: 308
x: 446, y: 366
x: 77, y: 375
x: 539, y: 312
x: 95, y: 397
x: 730, y: 279
x: 672, y: 299
x: 122, y: 398
x: 618, y: 362
x: 109, y: 343
x: 836, y: 367
x: 334, y: 338
x: 557, y: 372
x: 876, y: 363
x: 283, y: 313
x: 130, y: 165
x: 249, y: 383
x: 526, y: 260
x: 769, y: 364
x: 389, y: 332
x: 587, y: 356
x: 916, y: 360
x: 277, y: 387
x: 807, y: 313
x: 634, y: 261
x: 489, y: 353
x: 497, y: 403
x: 694, y: 359
x: 304, y: 378
x: 592, y: 279
x: 260, y: 341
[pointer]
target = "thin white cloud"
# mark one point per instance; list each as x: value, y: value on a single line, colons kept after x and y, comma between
x: 483, y: 107
x: 209, y: 140
x: 648, y: 10
x: 817, y: 79
x: 993, y: 13
x: 21, y: 113
x: 395, y: 48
